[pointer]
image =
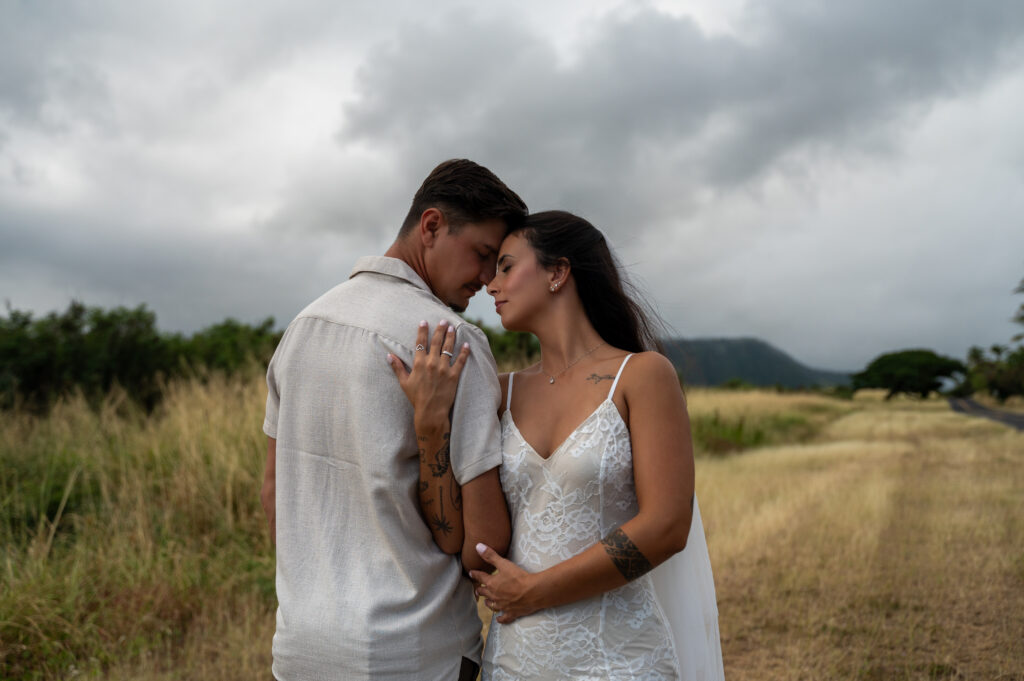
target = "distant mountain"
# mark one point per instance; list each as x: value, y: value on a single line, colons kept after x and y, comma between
x: 713, y: 361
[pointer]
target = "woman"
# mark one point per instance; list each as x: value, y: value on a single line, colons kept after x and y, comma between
x: 598, y: 473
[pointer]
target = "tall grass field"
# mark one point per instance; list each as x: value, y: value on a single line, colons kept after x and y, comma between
x: 849, y: 539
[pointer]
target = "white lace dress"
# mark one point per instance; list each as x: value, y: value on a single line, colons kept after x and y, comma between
x: 661, y: 626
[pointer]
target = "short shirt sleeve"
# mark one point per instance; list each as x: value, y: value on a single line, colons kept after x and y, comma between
x: 476, y: 432
x: 273, y: 394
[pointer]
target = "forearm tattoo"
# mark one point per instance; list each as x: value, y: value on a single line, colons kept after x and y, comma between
x: 439, y: 522
x: 439, y: 465
x: 625, y: 554
x: 442, y: 457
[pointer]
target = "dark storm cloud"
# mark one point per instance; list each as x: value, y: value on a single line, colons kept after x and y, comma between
x: 648, y: 93
x: 214, y: 159
x: 63, y: 63
x: 190, y: 279
x: 44, y: 82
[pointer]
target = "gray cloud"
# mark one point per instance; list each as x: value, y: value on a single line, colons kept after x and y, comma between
x: 653, y: 124
x: 649, y: 94
x: 790, y: 178
x: 191, y: 279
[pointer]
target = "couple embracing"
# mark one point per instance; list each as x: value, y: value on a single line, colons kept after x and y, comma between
x: 562, y: 494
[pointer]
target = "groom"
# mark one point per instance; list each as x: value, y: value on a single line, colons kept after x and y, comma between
x: 363, y: 590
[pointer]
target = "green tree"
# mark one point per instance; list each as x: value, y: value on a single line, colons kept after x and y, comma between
x: 912, y: 372
x: 229, y: 345
x: 510, y: 347
x: 1001, y: 375
x: 91, y: 350
x: 87, y: 349
x: 1019, y: 317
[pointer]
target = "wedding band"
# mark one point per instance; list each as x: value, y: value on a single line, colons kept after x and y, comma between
x: 445, y: 352
x: 420, y: 346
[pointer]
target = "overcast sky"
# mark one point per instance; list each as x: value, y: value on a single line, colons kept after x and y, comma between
x: 841, y: 179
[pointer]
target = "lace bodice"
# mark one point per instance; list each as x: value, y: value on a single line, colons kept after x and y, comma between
x: 561, y: 506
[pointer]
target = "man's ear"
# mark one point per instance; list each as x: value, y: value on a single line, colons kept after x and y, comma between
x: 432, y: 221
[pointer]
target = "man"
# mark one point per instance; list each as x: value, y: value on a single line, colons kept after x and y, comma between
x: 364, y: 592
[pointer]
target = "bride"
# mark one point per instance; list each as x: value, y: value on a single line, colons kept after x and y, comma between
x: 608, y: 575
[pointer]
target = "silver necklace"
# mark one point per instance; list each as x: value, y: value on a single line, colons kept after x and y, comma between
x: 551, y: 378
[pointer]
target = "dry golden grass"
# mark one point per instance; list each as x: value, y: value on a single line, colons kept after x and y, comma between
x: 891, y: 548
x: 155, y: 562
x: 705, y: 401
x: 884, y: 540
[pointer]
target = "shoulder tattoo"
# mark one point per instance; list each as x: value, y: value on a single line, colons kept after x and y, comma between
x: 625, y: 554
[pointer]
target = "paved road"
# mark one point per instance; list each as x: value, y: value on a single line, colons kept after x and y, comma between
x: 972, y: 408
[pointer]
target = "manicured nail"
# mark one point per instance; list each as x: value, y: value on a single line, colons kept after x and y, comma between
x: 443, y: 322
x: 423, y: 322
x: 451, y: 329
x: 466, y: 345
x: 480, y: 548
x: 388, y: 358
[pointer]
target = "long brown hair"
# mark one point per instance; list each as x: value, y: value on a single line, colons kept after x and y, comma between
x: 619, y: 314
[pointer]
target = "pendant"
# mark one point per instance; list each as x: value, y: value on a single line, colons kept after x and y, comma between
x: 551, y: 380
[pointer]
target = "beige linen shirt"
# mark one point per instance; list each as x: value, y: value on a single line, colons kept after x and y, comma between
x: 363, y: 591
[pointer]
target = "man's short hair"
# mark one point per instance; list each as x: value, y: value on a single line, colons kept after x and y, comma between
x: 465, y: 192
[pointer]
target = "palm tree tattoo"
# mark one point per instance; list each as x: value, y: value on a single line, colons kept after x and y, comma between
x: 439, y: 521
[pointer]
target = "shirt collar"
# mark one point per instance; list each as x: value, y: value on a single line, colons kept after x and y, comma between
x: 392, y: 267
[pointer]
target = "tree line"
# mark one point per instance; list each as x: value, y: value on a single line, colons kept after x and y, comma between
x: 997, y: 371
x: 91, y: 350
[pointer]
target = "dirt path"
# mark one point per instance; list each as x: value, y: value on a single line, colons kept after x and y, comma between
x: 907, y: 564
x: 946, y: 585
x: 967, y: 406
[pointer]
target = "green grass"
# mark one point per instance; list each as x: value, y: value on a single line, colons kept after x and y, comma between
x: 715, y: 434
x: 134, y: 547
x: 122, y: 534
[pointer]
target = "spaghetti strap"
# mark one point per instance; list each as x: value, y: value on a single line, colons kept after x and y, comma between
x: 614, y: 383
x: 508, y: 398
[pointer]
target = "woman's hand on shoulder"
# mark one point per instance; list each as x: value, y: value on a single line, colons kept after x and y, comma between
x: 432, y: 382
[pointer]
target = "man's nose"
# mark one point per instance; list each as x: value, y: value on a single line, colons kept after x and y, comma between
x: 487, y: 274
